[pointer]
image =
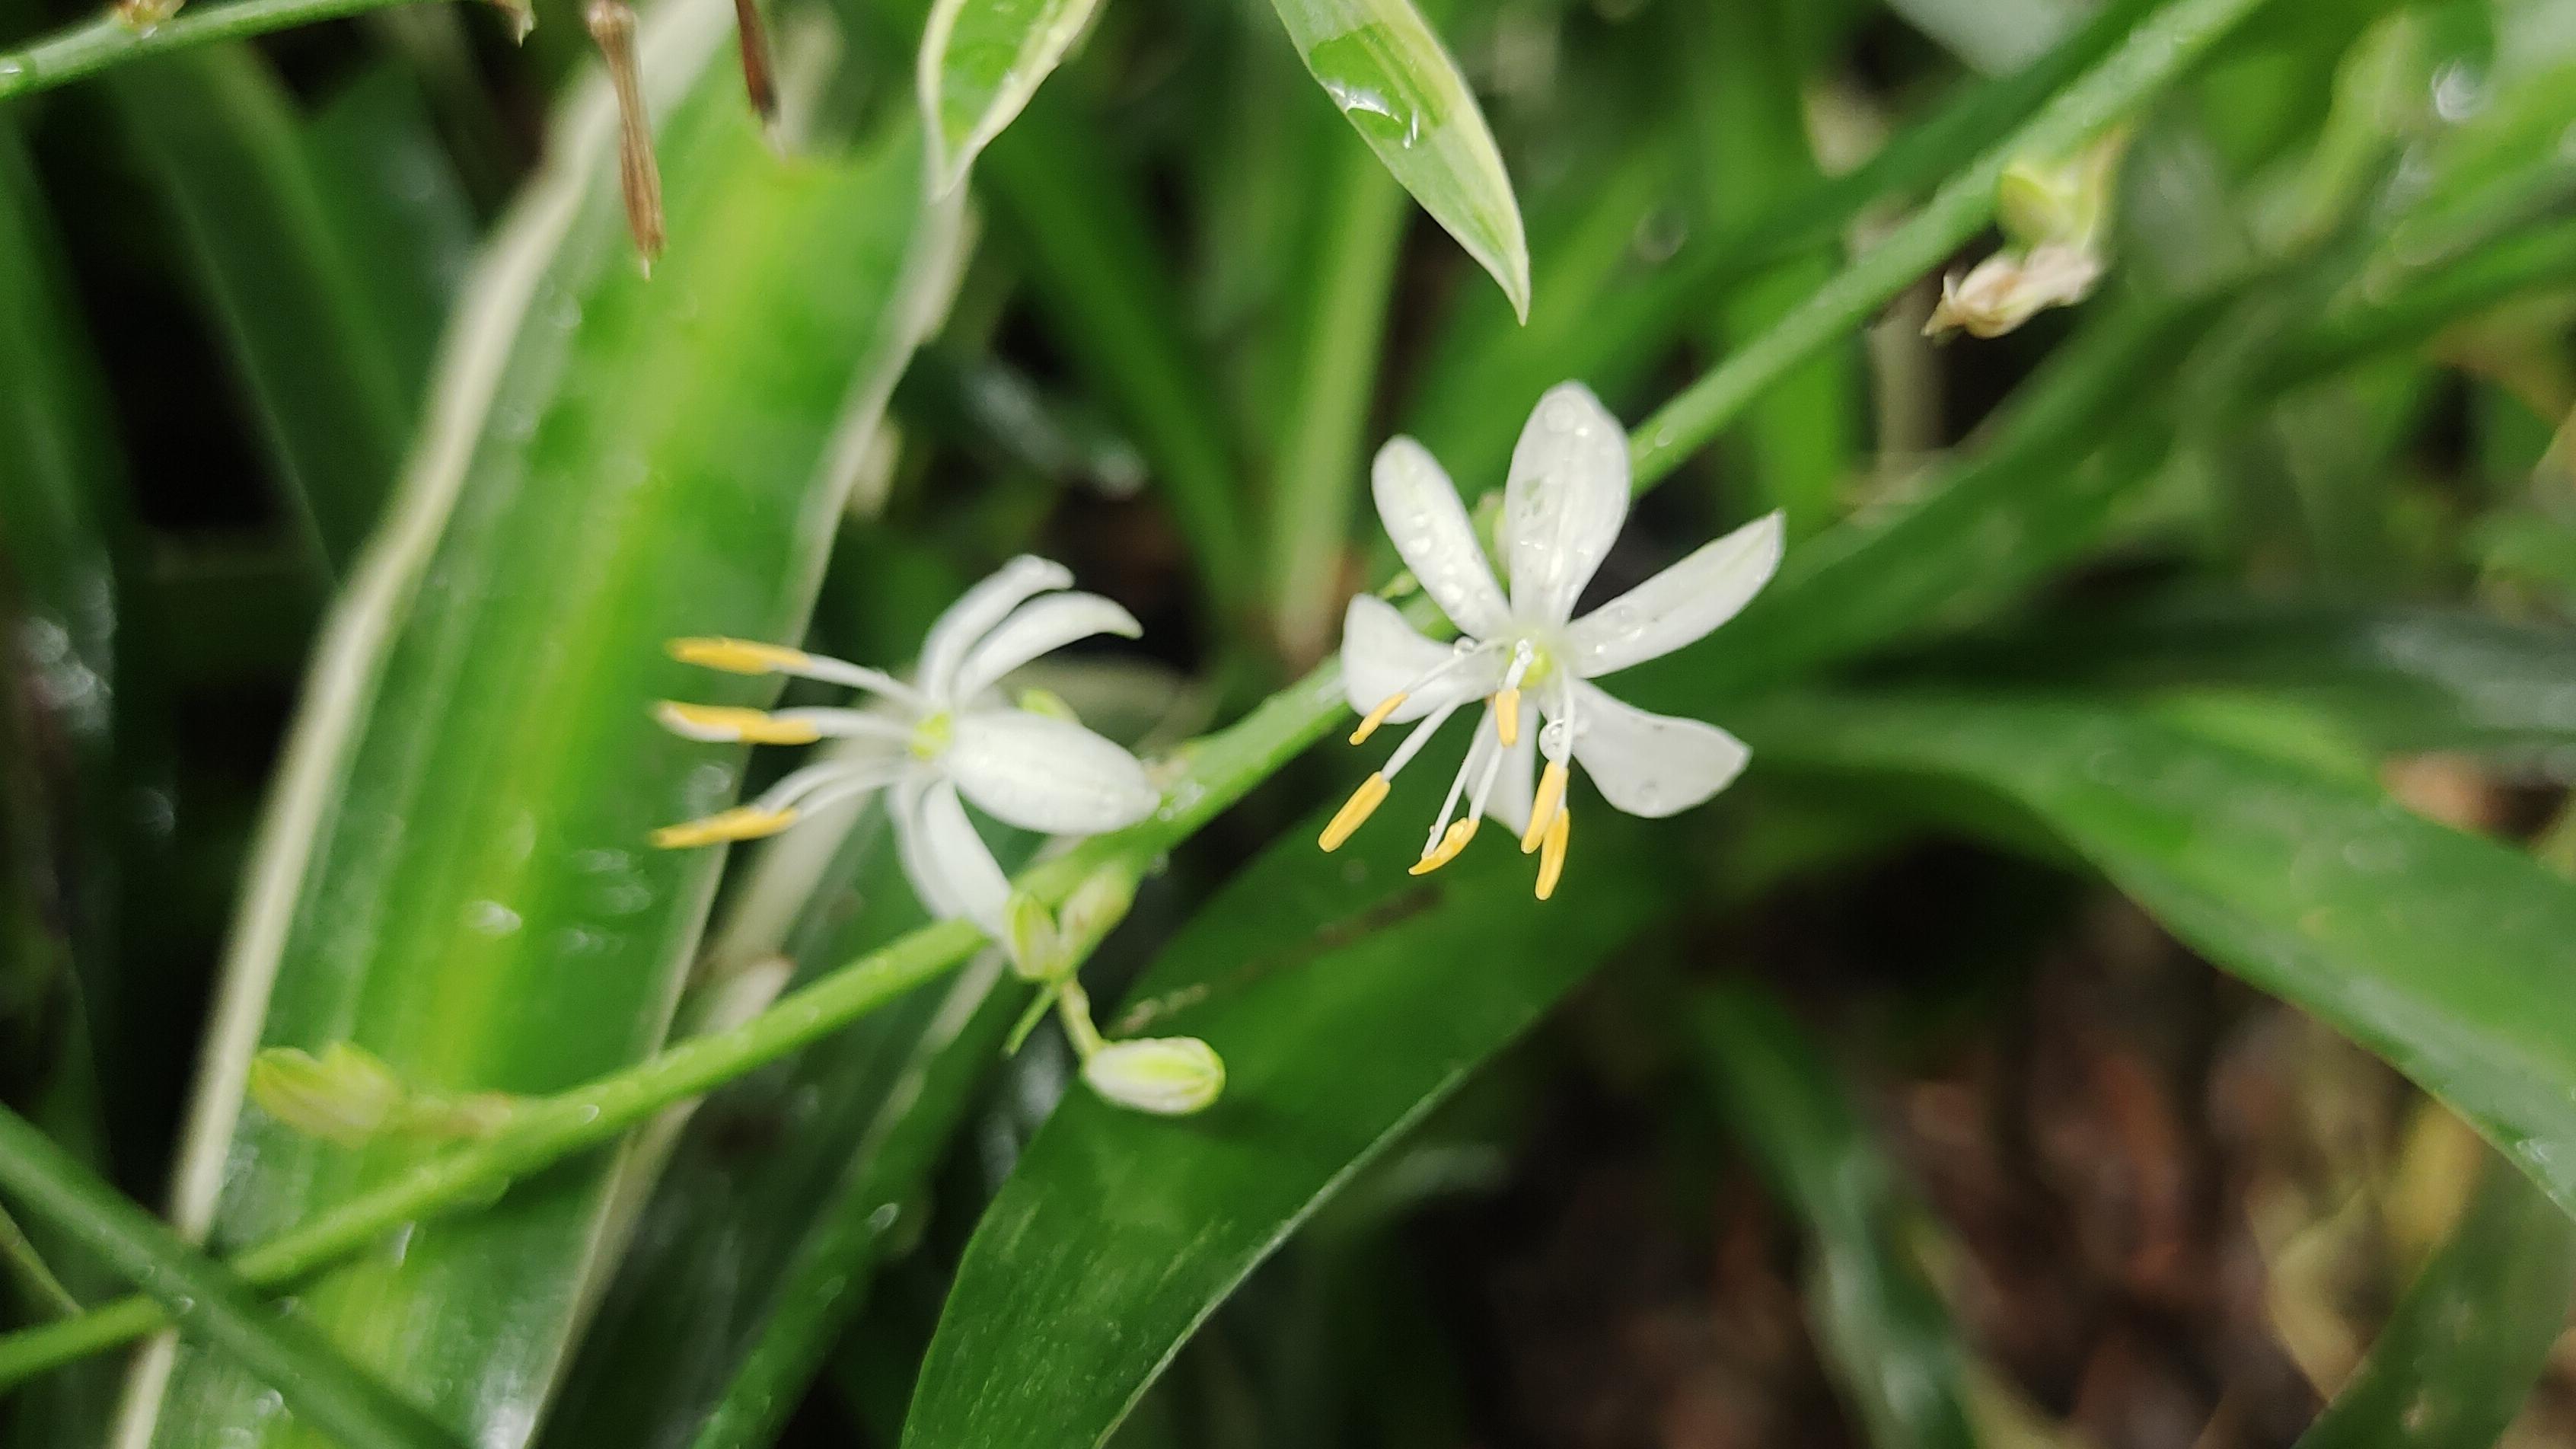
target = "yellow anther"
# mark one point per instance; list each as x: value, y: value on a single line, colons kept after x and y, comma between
x: 1543, y: 808
x: 1355, y: 811
x: 1507, y: 716
x: 723, y: 722
x: 738, y: 656
x: 1551, y: 861
x: 1378, y: 716
x: 743, y: 822
x: 1447, y: 851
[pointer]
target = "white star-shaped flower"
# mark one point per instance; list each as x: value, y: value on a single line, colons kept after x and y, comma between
x: 1526, y: 656
x: 943, y: 739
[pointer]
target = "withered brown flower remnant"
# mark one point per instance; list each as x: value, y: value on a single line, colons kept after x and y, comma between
x: 612, y: 25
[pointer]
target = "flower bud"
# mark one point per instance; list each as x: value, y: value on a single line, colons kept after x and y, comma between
x: 1169, y: 1076
x: 1029, y: 935
x: 1097, y: 905
x: 2060, y: 203
x: 346, y: 1095
x: 1048, y: 703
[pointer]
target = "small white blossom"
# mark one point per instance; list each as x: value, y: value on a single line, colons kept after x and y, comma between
x: 943, y: 739
x: 1526, y: 657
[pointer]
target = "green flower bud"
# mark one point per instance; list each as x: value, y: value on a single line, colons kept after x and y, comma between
x: 1097, y: 905
x: 1029, y: 935
x: 1169, y: 1076
x: 1049, y: 703
x: 346, y: 1095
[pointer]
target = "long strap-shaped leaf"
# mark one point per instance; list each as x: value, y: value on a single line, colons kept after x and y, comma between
x: 456, y: 873
x: 2443, y: 953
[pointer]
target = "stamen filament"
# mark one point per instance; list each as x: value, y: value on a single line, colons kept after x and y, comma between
x: 1551, y: 861
x: 1355, y: 811
x: 1414, y: 742
x: 1378, y: 716
x: 1546, y: 806
x: 1447, y: 850
x: 1507, y: 700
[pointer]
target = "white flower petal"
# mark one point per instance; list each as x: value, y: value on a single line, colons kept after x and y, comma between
x: 1039, y: 627
x: 948, y: 864
x: 1564, y: 502
x: 1518, y: 782
x: 1046, y: 774
x: 1382, y: 653
x: 1679, y: 605
x: 1651, y: 764
x: 973, y: 616
x: 1422, y: 515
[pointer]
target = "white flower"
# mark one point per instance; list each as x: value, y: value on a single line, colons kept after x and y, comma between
x: 1562, y: 506
x: 937, y: 742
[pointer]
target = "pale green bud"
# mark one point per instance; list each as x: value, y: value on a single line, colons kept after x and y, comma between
x: 1049, y: 703
x: 2064, y: 202
x: 1169, y: 1076
x: 346, y: 1095
x: 1097, y: 905
x: 1029, y: 935
x: 349, y: 1096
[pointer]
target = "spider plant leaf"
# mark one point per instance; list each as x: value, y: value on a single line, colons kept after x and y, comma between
x: 454, y: 874
x: 1387, y: 72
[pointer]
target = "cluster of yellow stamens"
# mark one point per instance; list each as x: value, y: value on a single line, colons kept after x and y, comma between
x: 1550, y: 824
x: 732, y: 724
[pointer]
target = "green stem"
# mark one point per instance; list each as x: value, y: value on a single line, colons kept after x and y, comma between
x: 2153, y: 55
x: 205, y: 1300
x: 1363, y: 217
x: 1219, y: 770
x: 86, y: 49
x: 36, y: 1279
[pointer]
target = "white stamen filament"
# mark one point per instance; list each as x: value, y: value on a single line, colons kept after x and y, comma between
x: 1432, y: 675
x: 839, y: 776
x: 1476, y: 753
x: 859, y: 677
x: 1420, y: 736
x: 842, y: 724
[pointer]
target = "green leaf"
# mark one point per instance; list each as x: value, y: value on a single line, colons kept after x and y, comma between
x: 454, y: 874
x: 745, y: 1261
x: 2408, y: 678
x: 1383, y: 66
x: 1347, y: 998
x: 1104, y: 286
x: 2438, y: 951
x: 981, y: 60
x: 206, y: 1302
x: 2454, y: 1363
x: 1882, y: 1328
x: 300, y: 301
